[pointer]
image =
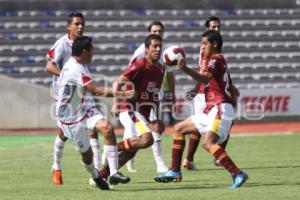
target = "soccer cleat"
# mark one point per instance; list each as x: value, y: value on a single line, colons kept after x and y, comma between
x: 101, y: 183
x: 118, y: 178
x: 57, y: 177
x: 189, y: 165
x: 239, y: 180
x: 169, y: 176
x: 162, y: 169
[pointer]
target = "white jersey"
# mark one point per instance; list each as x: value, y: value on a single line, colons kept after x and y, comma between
x: 59, y: 54
x: 73, y: 99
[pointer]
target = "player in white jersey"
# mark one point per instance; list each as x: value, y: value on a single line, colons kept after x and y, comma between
x: 57, y: 56
x: 157, y: 127
x: 77, y: 112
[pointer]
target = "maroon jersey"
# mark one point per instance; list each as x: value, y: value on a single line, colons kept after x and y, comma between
x: 217, y: 91
x: 147, y: 80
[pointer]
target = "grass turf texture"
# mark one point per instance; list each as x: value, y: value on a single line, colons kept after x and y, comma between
x: 272, y: 162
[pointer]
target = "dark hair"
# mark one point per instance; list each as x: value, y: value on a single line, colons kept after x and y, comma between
x: 151, y: 37
x: 156, y: 23
x: 211, y: 18
x: 214, y: 36
x: 81, y: 43
x: 72, y: 15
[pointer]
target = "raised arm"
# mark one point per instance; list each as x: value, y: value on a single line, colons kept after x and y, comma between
x: 202, y: 77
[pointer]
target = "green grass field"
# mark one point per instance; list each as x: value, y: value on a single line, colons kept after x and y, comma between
x: 272, y: 162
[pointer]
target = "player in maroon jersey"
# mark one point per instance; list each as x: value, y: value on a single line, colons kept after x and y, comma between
x: 215, y: 122
x: 145, y: 76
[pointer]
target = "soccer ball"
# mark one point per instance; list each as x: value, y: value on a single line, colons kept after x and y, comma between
x: 172, y: 54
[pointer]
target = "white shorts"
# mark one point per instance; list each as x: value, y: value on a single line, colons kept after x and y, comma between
x: 77, y: 133
x: 218, y: 120
x: 199, y: 103
x: 134, y: 124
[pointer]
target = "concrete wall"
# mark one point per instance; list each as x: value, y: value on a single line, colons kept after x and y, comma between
x: 24, y: 105
x: 27, y: 106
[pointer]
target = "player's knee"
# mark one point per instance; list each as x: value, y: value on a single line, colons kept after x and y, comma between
x: 206, y: 145
x: 147, y: 141
x: 105, y: 129
x: 177, y: 128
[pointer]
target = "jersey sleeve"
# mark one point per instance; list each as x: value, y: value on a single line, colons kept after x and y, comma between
x: 131, y: 72
x: 55, y: 53
x: 212, y: 65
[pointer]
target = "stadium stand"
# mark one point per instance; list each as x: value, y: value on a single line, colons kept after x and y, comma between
x: 261, y: 45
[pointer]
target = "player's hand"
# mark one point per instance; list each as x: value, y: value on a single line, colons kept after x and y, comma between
x: 128, y: 94
x: 115, y: 111
x: 181, y: 63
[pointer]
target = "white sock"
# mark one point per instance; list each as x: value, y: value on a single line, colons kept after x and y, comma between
x: 58, y: 150
x: 91, y: 170
x: 96, y: 151
x: 157, y: 153
x: 111, y: 153
x: 130, y: 164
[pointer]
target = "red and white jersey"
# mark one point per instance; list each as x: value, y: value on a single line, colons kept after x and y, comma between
x: 73, y: 98
x: 218, y: 86
x: 59, y: 54
x: 147, y: 80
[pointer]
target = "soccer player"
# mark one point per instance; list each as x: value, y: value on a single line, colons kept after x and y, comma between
x: 215, y: 122
x: 197, y: 93
x: 57, y: 56
x: 156, y: 125
x: 76, y: 111
x: 145, y: 76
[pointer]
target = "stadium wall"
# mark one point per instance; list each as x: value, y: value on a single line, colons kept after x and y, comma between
x: 24, y: 105
x: 28, y: 106
x: 142, y: 4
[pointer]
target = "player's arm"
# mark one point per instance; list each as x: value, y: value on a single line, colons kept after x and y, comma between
x: 120, y: 85
x: 52, y: 68
x: 202, y: 77
x: 171, y: 86
x: 107, y: 92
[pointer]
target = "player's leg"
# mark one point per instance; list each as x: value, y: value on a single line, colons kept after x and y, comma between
x: 136, y: 124
x: 58, y: 149
x: 94, y: 141
x: 157, y: 128
x: 199, y: 106
x: 181, y: 129
x: 77, y: 134
x: 194, y: 141
x: 130, y: 164
x: 218, y: 130
x: 110, y: 149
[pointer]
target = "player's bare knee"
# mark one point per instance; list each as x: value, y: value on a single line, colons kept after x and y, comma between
x: 178, y: 128
x: 206, y: 145
x: 148, y: 142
